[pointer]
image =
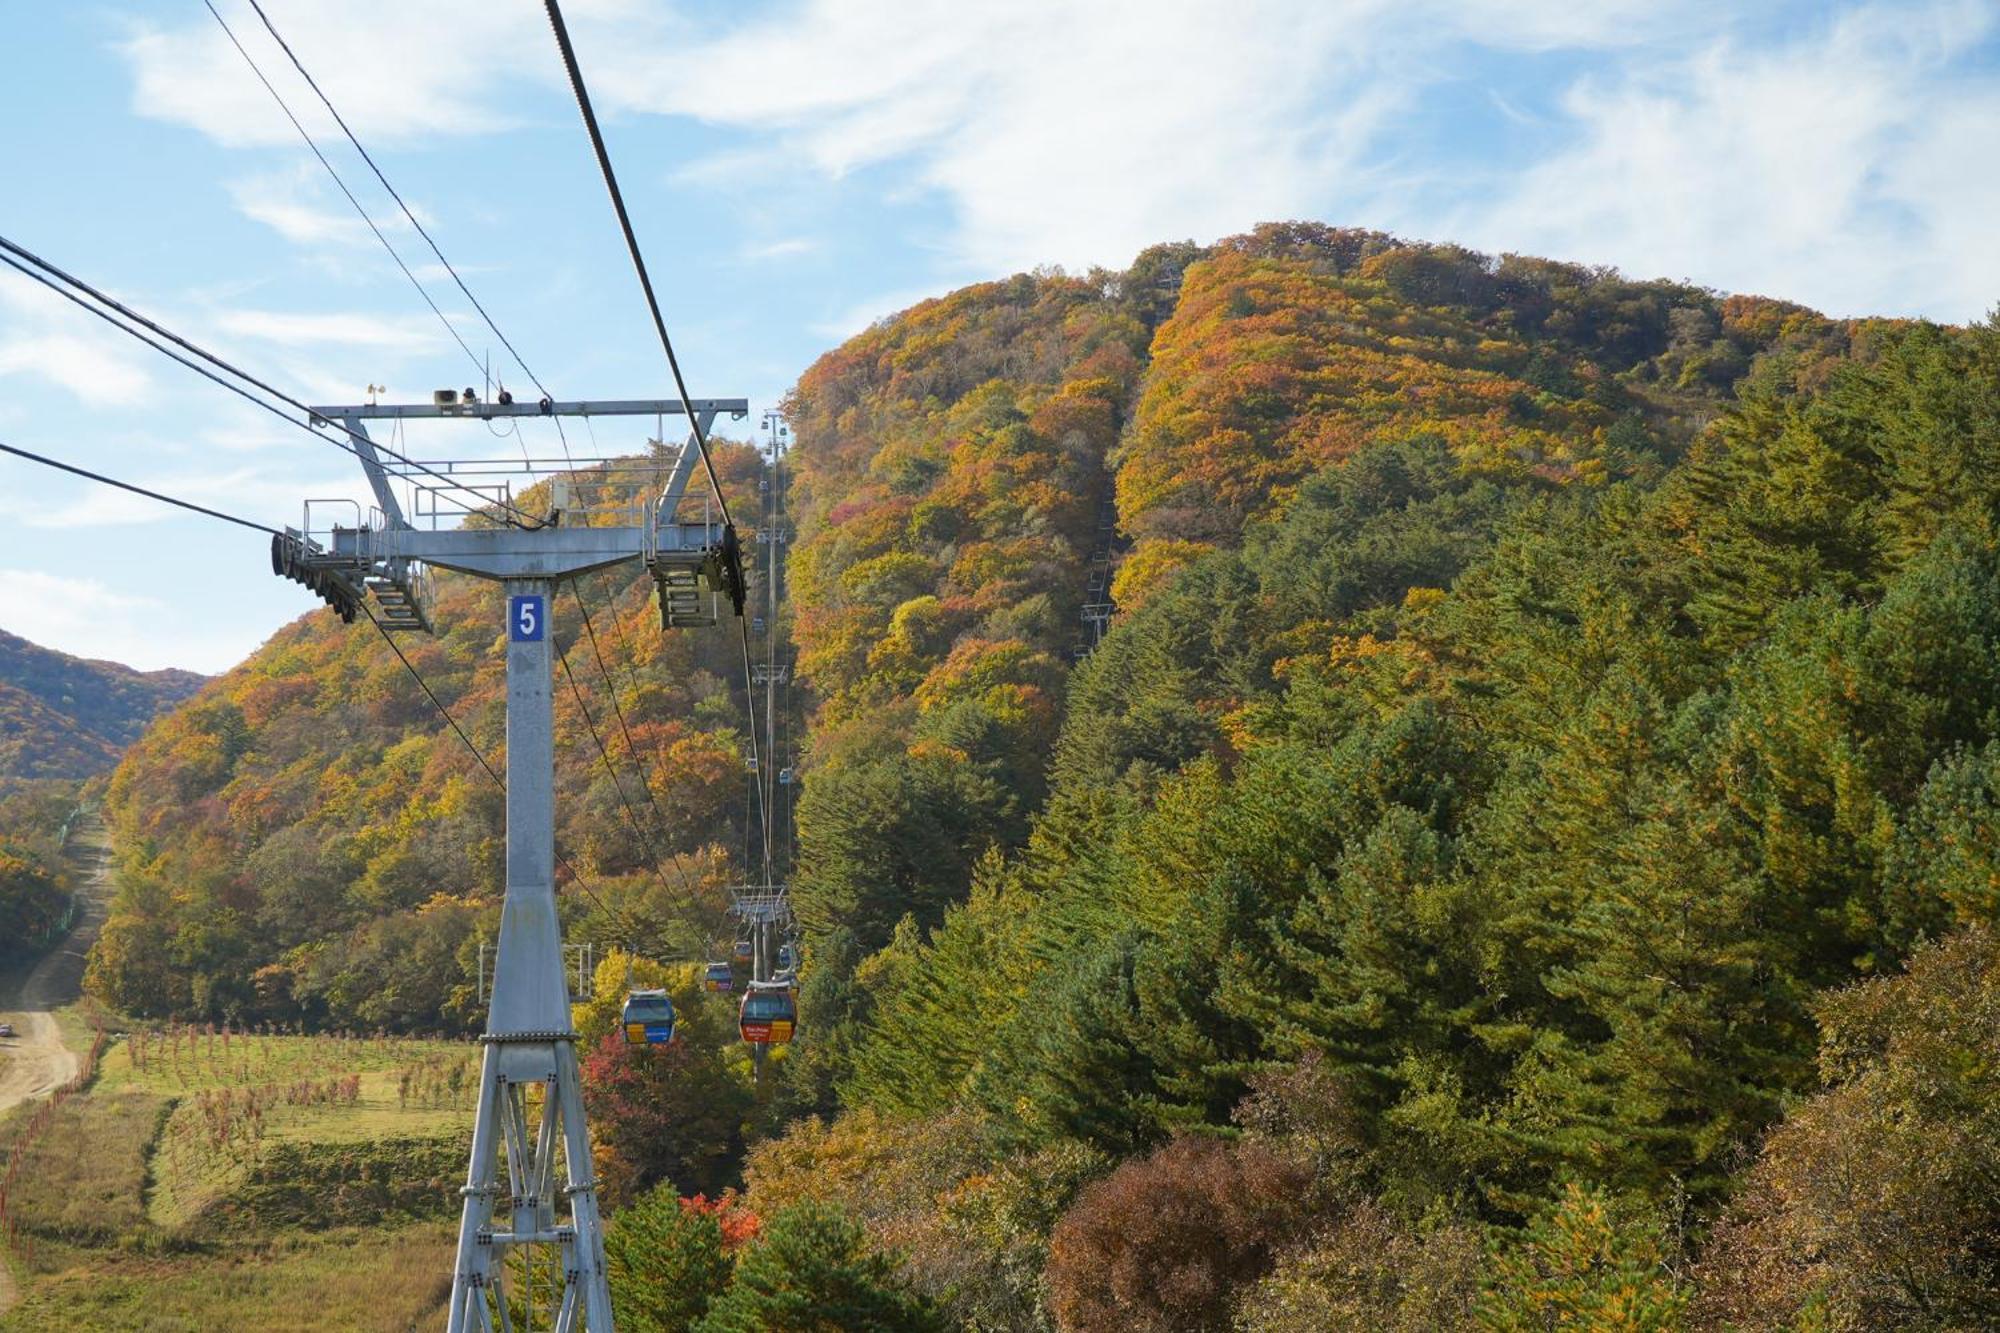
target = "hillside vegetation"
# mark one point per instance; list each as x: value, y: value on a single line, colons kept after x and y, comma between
x: 35, y: 880
x: 70, y: 717
x: 1537, y: 696
x: 1524, y: 850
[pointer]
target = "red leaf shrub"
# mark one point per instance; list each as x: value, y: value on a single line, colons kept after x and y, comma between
x: 1167, y: 1242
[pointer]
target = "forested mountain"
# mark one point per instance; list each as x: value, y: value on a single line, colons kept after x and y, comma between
x: 1536, y: 696
x: 1523, y: 855
x: 70, y: 717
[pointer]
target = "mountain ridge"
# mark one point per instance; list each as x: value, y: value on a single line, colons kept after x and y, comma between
x: 63, y: 716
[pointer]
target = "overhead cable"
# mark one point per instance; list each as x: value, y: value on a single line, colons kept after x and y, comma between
x: 756, y: 760
x: 409, y: 214
x: 632, y: 247
x: 576, y: 876
x: 138, y: 490
x: 603, y: 753
x: 61, y: 281
x: 304, y: 134
x: 618, y: 711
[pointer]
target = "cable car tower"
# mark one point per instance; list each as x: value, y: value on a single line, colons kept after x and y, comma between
x: 765, y: 908
x: 548, y: 1195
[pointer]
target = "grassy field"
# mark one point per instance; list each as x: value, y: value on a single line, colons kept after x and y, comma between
x: 348, y: 1278
x: 243, y: 1180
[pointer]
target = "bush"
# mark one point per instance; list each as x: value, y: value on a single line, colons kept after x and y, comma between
x: 666, y: 1113
x: 347, y: 1184
x: 1167, y: 1243
x: 1872, y: 1205
x: 1370, y: 1271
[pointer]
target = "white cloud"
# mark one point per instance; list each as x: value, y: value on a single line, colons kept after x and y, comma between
x: 846, y: 323
x: 789, y: 248
x: 47, y: 337
x: 1078, y: 134
x: 261, y: 496
x: 306, y: 208
x: 275, y: 202
x: 1814, y: 151
x: 90, y: 618
x: 1844, y: 169
x: 82, y: 616
x: 398, y: 72
x: 79, y: 365
x: 1060, y: 133
x: 294, y: 329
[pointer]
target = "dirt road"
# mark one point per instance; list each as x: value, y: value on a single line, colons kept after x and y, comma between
x: 34, y: 1062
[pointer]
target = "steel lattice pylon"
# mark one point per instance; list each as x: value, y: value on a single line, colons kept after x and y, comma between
x: 529, y: 1180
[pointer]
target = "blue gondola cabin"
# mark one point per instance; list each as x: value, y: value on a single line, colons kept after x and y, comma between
x: 718, y: 979
x: 648, y: 1018
x: 770, y: 1015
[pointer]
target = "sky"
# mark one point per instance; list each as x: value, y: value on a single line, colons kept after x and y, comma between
x: 796, y: 170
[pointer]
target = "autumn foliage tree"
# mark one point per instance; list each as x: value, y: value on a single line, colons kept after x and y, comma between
x: 1872, y: 1205
x: 1167, y: 1242
x: 667, y: 1115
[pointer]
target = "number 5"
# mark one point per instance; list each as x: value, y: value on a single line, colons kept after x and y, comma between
x: 525, y: 619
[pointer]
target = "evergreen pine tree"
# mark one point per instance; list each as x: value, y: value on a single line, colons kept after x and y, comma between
x: 811, y: 1271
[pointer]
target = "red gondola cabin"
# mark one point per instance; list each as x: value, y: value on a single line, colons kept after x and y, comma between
x: 770, y: 1015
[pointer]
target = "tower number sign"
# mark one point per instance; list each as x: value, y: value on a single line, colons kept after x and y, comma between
x: 526, y: 618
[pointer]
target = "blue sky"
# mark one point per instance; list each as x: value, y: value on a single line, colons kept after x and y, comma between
x: 798, y: 169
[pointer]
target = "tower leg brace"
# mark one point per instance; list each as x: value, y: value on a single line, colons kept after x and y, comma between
x: 521, y: 1207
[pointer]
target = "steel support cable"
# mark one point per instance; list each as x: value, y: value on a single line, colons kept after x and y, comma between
x: 138, y: 490
x: 611, y: 686
x: 632, y: 247
x: 582, y: 93
x: 285, y: 107
x: 618, y: 711
x: 756, y: 758
x: 60, y: 281
x: 408, y: 213
x: 341, y: 121
x: 610, y: 769
x: 575, y: 875
x: 198, y: 369
x: 438, y: 704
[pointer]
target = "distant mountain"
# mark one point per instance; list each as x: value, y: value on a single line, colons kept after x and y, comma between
x: 71, y: 717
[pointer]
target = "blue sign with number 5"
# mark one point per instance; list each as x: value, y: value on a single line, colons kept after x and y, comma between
x: 524, y: 618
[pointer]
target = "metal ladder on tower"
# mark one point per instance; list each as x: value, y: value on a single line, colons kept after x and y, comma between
x: 685, y: 600
x: 403, y: 597
x: 690, y: 597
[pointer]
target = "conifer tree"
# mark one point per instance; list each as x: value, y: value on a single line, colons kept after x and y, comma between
x: 810, y: 1271
x: 665, y: 1261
